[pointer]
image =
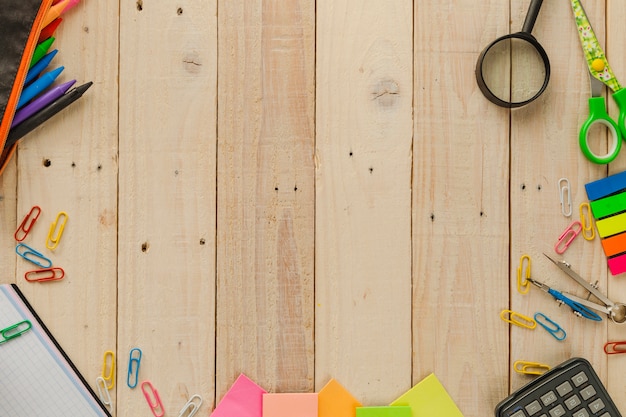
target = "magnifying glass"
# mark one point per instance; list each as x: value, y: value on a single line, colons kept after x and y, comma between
x: 514, y: 69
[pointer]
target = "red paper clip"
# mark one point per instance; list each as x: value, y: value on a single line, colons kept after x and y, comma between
x: 156, y: 406
x: 613, y: 348
x: 27, y: 223
x: 44, y: 275
x: 567, y: 237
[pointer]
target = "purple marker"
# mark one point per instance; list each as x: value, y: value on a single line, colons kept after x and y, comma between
x: 41, y: 102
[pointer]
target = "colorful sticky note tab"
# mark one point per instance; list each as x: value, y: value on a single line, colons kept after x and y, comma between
x: 335, y: 401
x: 429, y: 399
x: 385, y: 411
x: 290, y: 405
x: 243, y: 399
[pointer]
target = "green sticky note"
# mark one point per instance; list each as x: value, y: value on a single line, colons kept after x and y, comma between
x: 385, y: 411
x: 429, y: 399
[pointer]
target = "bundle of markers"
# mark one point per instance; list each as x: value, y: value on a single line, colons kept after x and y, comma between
x: 40, y: 98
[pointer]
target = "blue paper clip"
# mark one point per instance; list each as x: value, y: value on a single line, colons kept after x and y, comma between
x: 32, y: 256
x: 551, y: 327
x: 133, y: 368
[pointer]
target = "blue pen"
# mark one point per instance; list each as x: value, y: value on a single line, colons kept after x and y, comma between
x: 38, y: 86
x: 39, y: 66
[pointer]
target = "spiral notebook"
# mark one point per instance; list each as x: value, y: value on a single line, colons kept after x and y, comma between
x: 37, y: 378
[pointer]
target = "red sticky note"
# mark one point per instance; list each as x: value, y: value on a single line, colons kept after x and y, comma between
x: 243, y: 399
x: 290, y: 405
x: 335, y: 401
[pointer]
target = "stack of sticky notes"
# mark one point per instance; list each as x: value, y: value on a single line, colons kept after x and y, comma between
x: 607, y: 199
x: 246, y: 399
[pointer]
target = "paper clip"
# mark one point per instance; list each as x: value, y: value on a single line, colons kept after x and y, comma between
x: 522, y: 283
x: 44, y: 275
x: 134, y: 361
x: 108, y: 363
x: 518, y: 319
x: 14, y: 331
x: 56, y: 230
x: 151, y: 393
x: 614, y: 348
x: 191, y: 407
x: 530, y: 368
x: 551, y: 327
x: 32, y: 256
x: 27, y: 224
x: 103, y: 393
x: 567, y: 237
x: 586, y: 222
x: 566, y: 206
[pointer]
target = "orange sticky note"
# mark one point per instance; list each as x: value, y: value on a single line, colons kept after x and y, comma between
x: 243, y: 399
x: 335, y: 401
x: 290, y: 405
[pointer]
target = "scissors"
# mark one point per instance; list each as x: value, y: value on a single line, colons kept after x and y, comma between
x: 580, y: 306
x: 600, y: 74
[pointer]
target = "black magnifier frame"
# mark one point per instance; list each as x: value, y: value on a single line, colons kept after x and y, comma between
x: 525, y: 35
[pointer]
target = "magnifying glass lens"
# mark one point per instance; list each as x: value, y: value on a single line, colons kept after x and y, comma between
x: 514, y: 70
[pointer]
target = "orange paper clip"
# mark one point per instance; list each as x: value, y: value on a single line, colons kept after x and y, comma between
x: 613, y: 348
x: 153, y: 399
x: 56, y: 230
x: 567, y: 237
x: 27, y: 223
x: 44, y: 275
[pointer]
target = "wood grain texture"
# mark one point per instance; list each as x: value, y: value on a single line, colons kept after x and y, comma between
x: 460, y: 207
x: 363, y: 205
x: 266, y: 194
x: 167, y: 197
x: 8, y: 223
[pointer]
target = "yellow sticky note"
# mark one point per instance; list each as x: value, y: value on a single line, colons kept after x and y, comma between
x: 429, y: 399
x: 290, y: 405
x: 335, y: 401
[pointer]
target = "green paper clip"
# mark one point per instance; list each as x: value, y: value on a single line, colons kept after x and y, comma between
x: 14, y: 331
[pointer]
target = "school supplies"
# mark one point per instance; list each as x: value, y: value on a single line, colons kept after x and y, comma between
x: 586, y: 221
x: 191, y: 407
x: 550, y: 326
x: 32, y: 255
x: 153, y: 398
x: 56, y: 230
x: 334, y: 400
x: 600, y: 74
x: 530, y: 368
x: 384, y: 411
x: 567, y: 237
x: 565, y: 195
x: 44, y: 274
x: 36, y: 377
x: 290, y: 404
x: 518, y: 319
x: 37, y: 86
x: 134, y: 361
x: 108, y: 369
x: 614, y: 348
x: 243, y: 399
x: 27, y: 224
x: 523, y: 285
x: 429, y: 398
x: 38, y: 103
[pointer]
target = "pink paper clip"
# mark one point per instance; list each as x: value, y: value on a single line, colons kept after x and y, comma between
x: 27, y: 223
x: 151, y: 393
x: 567, y: 237
x: 44, y: 274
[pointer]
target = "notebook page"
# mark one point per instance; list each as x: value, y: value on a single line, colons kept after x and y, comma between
x: 35, y: 380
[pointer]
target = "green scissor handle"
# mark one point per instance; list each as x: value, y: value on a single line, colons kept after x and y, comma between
x: 620, y: 98
x: 598, y: 114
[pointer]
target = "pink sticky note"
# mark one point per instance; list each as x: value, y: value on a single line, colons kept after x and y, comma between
x: 290, y: 405
x: 243, y: 399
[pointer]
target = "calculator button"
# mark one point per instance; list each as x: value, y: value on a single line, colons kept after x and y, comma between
x: 557, y: 411
x: 579, y: 379
x: 548, y: 398
x: 519, y: 413
x: 533, y: 408
x: 597, y: 406
x: 572, y: 402
x: 564, y: 389
x: 605, y: 415
x: 588, y: 392
x: 581, y: 413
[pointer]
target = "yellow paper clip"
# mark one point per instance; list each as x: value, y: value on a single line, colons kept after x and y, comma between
x: 566, y: 197
x: 530, y: 368
x: 518, y: 319
x: 108, y: 369
x: 103, y: 393
x: 56, y: 230
x: 191, y: 407
x: 523, y: 285
x: 586, y: 221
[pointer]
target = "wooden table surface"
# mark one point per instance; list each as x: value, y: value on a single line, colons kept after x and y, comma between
x: 301, y: 190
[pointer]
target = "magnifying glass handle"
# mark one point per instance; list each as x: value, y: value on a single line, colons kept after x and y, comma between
x: 598, y: 114
x: 531, y: 16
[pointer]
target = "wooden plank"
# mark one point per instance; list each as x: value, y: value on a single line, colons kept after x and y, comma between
x: 363, y: 204
x: 460, y: 207
x: 266, y: 193
x: 544, y: 148
x: 166, y: 282
x: 70, y: 164
x: 8, y: 223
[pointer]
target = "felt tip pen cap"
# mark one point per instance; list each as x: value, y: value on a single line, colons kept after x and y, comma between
x: 40, y: 102
x: 41, y: 50
x: 40, y: 66
x: 70, y: 4
x: 54, y: 12
x: 49, y: 30
x: 37, y: 86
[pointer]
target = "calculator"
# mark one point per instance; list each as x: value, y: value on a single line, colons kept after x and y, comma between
x: 572, y: 389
